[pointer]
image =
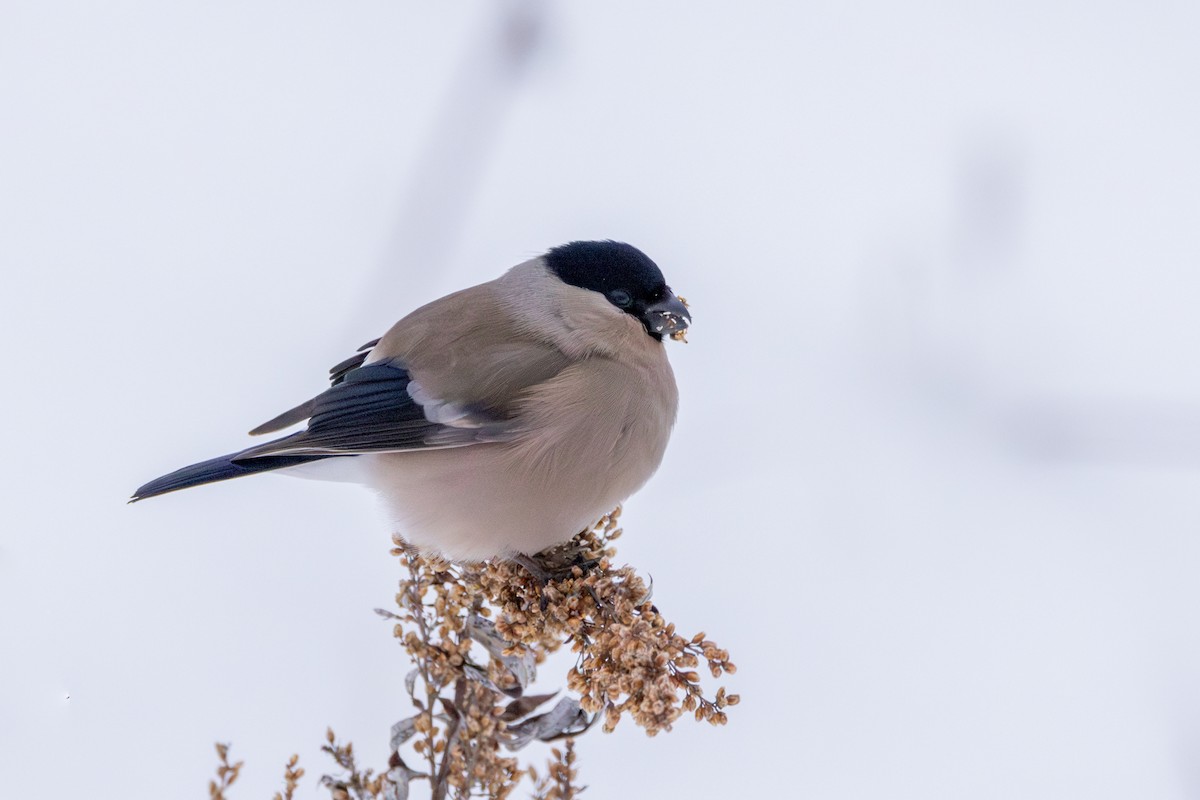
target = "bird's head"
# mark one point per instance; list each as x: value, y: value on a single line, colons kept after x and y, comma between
x: 627, y: 279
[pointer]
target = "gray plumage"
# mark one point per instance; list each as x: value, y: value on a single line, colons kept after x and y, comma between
x: 500, y: 419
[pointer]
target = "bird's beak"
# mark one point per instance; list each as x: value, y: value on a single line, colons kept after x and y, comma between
x: 668, y: 316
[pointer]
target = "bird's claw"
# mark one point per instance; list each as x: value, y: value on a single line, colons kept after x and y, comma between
x: 554, y: 564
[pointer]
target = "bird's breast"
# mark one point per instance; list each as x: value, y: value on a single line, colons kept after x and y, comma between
x: 584, y: 442
x: 606, y: 419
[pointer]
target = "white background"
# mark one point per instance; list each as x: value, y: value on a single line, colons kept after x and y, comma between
x: 934, y: 481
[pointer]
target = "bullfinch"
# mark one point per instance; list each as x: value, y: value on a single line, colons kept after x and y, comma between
x: 501, y: 419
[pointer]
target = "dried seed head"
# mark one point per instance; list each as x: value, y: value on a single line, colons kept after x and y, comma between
x: 476, y: 633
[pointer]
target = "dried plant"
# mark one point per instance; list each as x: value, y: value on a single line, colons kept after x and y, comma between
x: 631, y: 660
x: 355, y: 784
x: 476, y: 634
x: 291, y: 779
x: 559, y: 782
x: 227, y: 774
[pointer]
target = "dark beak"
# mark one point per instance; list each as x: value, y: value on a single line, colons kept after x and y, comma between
x: 667, y: 316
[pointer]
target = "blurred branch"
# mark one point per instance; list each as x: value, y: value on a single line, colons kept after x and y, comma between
x: 466, y: 128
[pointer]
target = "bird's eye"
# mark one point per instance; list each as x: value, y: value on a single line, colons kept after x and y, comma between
x: 620, y: 298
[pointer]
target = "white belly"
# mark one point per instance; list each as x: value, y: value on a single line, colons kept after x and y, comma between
x: 477, y: 502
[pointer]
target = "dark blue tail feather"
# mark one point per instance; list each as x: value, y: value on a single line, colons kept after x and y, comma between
x: 221, y: 468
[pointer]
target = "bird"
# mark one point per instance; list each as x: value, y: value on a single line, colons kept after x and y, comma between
x: 500, y: 420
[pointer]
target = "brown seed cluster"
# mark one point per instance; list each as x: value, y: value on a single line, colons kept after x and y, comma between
x: 631, y: 660
x: 355, y: 783
x: 227, y: 774
x: 476, y: 633
x: 291, y: 778
x: 457, y: 687
x: 559, y: 781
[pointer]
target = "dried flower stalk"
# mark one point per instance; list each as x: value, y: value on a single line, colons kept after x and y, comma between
x: 476, y: 633
x: 559, y: 782
x: 227, y: 774
x: 631, y: 660
x: 291, y: 779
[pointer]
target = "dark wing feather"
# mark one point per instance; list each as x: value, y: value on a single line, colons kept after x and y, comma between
x: 216, y: 469
x: 337, y: 374
x: 286, y: 419
x: 371, y: 410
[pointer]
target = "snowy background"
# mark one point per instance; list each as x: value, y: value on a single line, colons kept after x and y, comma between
x: 934, y: 482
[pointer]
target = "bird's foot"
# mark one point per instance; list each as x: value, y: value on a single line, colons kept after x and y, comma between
x: 555, y: 564
x: 534, y: 567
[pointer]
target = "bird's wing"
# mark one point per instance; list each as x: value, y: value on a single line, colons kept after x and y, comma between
x: 378, y: 408
x: 337, y: 374
x: 450, y: 374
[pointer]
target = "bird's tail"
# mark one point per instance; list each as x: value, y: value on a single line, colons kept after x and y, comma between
x: 221, y: 468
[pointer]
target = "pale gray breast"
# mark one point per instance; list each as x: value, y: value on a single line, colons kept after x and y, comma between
x: 600, y: 420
